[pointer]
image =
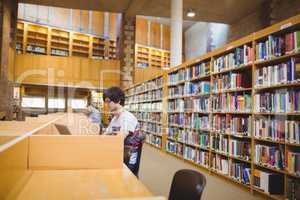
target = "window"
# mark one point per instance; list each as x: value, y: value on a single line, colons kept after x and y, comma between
x: 79, y: 103
x: 33, y: 102
x: 56, y: 103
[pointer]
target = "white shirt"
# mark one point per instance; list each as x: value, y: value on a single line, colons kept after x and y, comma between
x: 125, y: 122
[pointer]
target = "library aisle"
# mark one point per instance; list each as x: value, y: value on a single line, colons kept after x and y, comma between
x: 155, y: 164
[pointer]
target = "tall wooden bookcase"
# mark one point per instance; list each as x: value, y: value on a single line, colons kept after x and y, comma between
x: 249, y: 69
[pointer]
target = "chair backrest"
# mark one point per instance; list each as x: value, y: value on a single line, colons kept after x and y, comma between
x: 188, y: 185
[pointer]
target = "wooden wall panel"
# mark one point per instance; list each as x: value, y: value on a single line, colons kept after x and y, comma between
x: 76, y: 20
x: 113, y: 17
x: 141, y: 31
x: 60, y: 17
x: 140, y: 75
x: 97, y: 22
x: 73, y: 150
x: 13, y: 173
x: 166, y: 37
x: 43, y: 14
x: 40, y: 69
x: 155, y: 35
x: 84, y: 21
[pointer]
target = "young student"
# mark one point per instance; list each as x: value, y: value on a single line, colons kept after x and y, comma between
x: 125, y: 123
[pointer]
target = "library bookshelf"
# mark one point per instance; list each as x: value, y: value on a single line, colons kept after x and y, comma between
x: 146, y: 56
x: 235, y: 111
x: 45, y: 40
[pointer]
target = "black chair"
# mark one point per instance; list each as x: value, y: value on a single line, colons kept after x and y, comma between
x: 187, y: 185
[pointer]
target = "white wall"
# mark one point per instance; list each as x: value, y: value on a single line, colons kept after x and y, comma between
x: 203, y: 37
x: 196, y: 40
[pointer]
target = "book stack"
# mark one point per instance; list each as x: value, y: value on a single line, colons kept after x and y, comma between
x: 240, y: 149
x: 234, y: 125
x: 155, y: 117
x: 270, y: 156
x: 156, y: 141
x: 174, y: 147
x: 188, y: 105
x: 176, y: 91
x: 239, y: 172
x: 176, y: 77
x: 269, y: 128
x: 219, y: 143
x: 201, y: 104
x: 199, y: 122
x: 190, y: 153
x: 59, y: 52
x: 193, y: 88
x: 293, y: 162
x: 232, y: 81
x: 220, y: 164
x: 283, y: 73
x: 203, y: 158
x: 201, y: 69
x: 154, y: 127
x: 270, y: 183
x: 176, y: 105
x: 224, y: 62
x: 232, y: 102
x: 292, y: 131
x: 175, y: 133
x: 293, y: 189
x: 241, y: 56
x: 279, y: 101
x: 176, y: 119
x: 276, y: 46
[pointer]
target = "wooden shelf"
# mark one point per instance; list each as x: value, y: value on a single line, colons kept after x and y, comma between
x: 54, y: 38
x: 147, y: 55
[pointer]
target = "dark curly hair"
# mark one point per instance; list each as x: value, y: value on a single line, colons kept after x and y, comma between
x: 115, y: 94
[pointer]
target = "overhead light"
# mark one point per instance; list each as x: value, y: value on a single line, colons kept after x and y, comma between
x: 191, y: 13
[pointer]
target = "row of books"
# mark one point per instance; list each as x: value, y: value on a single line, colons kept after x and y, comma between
x: 235, y: 125
x: 199, y: 104
x: 190, y: 88
x: 270, y: 128
x: 240, y: 149
x: 280, y: 101
x: 232, y: 81
x: 293, y: 189
x: 175, y: 133
x: 270, y: 183
x: 219, y: 143
x: 147, y: 116
x: 154, y: 140
x: 146, y: 107
x: 198, y: 70
x: 275, y: 46
x: 151, y: 127
x: 219, y: 163
x: 270, y: 156
x: 197, y: 156
x: 293, y: 162
x: 283, y: 73
x: 58, y: 52
x: 240, y: 172
x: 37, y: 49
x: 174, y: 147
x: 148, y: 96
x: 201, y: 69
x: 194, y: 121
x: 149, y: 85
x: 240, y: 56
x: 232, y: 102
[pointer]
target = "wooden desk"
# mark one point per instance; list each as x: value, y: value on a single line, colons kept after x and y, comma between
x: 82, y: 185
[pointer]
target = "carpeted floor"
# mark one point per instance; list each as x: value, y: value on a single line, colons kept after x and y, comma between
x: 157, y: 170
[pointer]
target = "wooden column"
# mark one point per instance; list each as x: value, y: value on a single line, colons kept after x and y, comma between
x: 8, y: 23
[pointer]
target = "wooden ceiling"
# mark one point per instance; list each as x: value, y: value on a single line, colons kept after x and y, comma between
x: 222, y: 11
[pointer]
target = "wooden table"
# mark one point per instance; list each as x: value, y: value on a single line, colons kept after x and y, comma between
x: 83, y: 185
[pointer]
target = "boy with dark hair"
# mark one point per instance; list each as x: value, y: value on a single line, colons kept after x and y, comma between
x: 126, y: 123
